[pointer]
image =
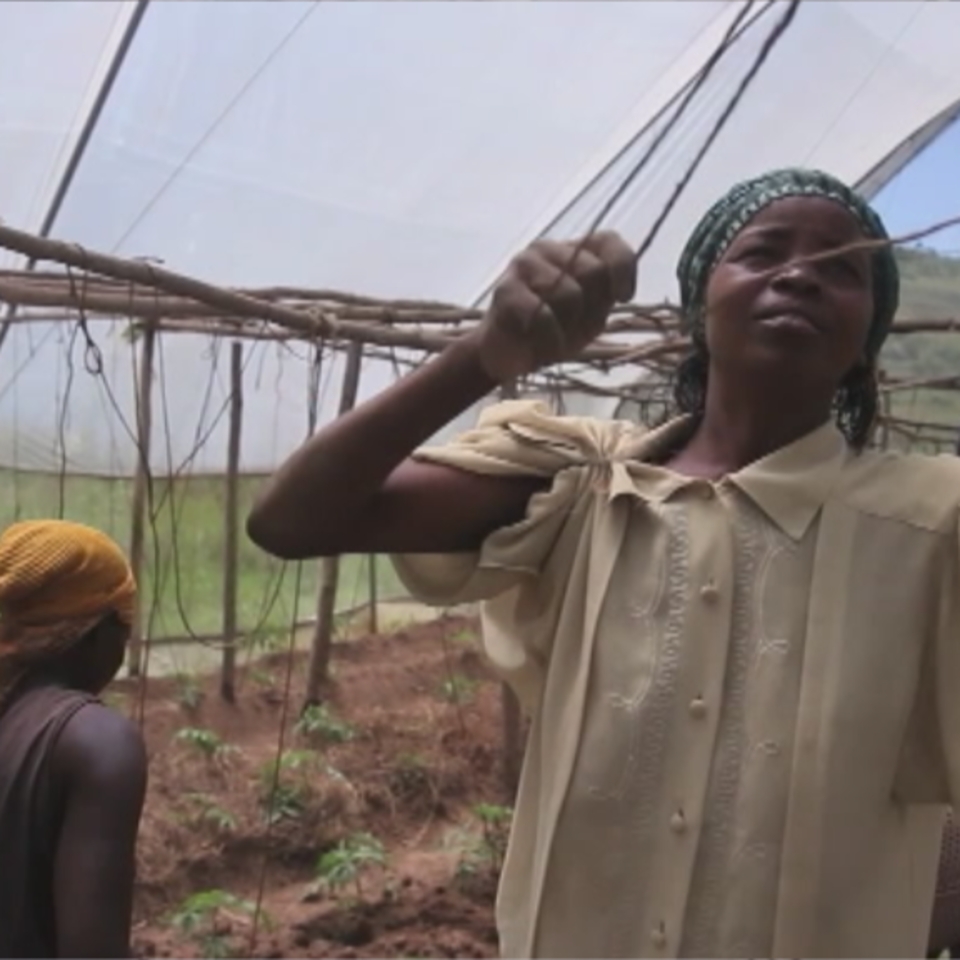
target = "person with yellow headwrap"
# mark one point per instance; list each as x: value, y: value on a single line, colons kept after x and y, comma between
x: 72, y: 771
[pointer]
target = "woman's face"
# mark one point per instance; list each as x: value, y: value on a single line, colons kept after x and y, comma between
x: 766, y: 313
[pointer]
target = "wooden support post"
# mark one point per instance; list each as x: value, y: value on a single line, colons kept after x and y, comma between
x: 330, y: 566
x: 886, y: 409
x: 510, y: 706
x: 512, y: 740
x: 141, y: 480
x: 372, y: 574
x: 231, y: 522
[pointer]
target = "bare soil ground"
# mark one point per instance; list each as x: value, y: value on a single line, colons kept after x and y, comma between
x: 397, y: 777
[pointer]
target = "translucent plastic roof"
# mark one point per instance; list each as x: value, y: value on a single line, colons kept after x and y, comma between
x: 396, y: 150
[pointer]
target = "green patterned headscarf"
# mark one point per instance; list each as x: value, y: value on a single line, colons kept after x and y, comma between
x: 729, y: 215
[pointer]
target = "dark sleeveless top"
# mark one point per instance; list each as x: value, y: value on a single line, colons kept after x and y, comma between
x: 31, y: 812
x: 945, y: 926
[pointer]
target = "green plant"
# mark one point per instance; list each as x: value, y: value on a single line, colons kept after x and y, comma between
x: 261, y: 677
x: 266, y: 640
x: 115, y: 701
x: 495, y: 826
x: 206, y: 741
x: 318, y: 722
x: 460, y: 840
x: 209, y: 812
x: 410, y: 761
x: 201, y: 918
x: 344, y: 864
x: 187, y: 692
x: 458, y: 688
x: 465, y: 636
x: 298, y: 760
x: 410, y: 775
x: 482, y: 852
x: 284, y: 792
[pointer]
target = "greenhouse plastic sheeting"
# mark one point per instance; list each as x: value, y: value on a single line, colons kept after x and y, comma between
x: 395, y: 150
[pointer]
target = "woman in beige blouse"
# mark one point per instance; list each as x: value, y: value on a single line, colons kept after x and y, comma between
x: 737, y: 635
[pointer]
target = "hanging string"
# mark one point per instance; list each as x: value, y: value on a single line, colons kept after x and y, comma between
x: 772, y: 39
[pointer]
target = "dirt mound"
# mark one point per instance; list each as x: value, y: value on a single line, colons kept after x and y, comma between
x: 374, y: 824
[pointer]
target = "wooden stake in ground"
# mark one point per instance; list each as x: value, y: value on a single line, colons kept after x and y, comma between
x: 886, y: 407
x: 512, y: 717
x: 372, y: 625
x: 231, y: 522
x: 141, y: 481
x: 330, y: 566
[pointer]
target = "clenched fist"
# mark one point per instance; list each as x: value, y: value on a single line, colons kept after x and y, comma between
x: 549, y: 306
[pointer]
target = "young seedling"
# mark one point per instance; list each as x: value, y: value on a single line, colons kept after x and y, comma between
x: 261, y: 677
x: 458, y: 689
x: 209, y: 812
x: 206, y: 741
x: 188, y: 693
x: 344, y: 864
x: 464, y: 636
x: 482, y: 855
x: 201, y: 917
x: 284, y: 793
x: 495, y: 826
x: 317, y: 722
x: 267, y: 640
x: 114, y: 700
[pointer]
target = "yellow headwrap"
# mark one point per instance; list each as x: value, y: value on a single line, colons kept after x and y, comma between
x: 53, y: 571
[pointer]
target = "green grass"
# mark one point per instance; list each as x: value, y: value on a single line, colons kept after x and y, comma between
x: 182, y: 580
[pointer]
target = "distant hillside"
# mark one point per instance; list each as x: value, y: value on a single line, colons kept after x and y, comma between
x: 930, y: 289
x: 930, y: 283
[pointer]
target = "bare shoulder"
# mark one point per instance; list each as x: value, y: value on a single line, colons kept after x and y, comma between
x: 100, y: 746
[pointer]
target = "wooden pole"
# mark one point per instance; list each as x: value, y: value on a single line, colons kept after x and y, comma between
x: 372, y: 573
x: 510, y: 706
x: 512, y: 739
x: 886, y: 406
x: 231, y: 521
x: 330, y: 566
x: 311, y: 323
x: 141, y: 480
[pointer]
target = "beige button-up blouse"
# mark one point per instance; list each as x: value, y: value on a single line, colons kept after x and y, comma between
x: 746, y: 720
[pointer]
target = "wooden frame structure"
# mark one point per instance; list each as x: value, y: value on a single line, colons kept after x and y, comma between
x: 155, y: 301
